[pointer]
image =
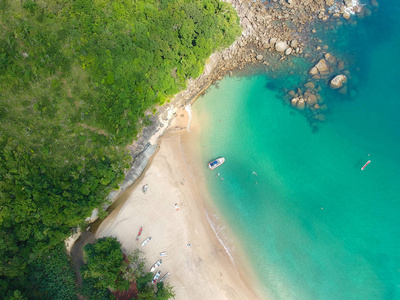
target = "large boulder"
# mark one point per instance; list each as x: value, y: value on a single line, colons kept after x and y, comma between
x: 348, y: 3
x: 281, y: 46
x: 330, y: 58
x: 313, y: 71
x: 259, y: 57
x: 311, y: 100
x: 272, y: 41
x: 322, y: 66
x: 329, y: 2
x: 301, y: 104
x: 338, y: 81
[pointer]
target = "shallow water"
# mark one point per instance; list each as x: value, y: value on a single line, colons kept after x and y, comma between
x: 313, y: 225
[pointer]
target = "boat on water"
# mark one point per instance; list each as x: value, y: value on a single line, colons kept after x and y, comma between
x: 155, y: 278
x: 165, y: 276
x: 156, y: 265
x: 164, y: 253
x: 146, y: 241
x: 366, y: 164
x: 140, y: 232
x: 216, y: 163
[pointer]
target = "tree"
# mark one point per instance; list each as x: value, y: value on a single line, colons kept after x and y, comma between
x: 164, y: 292
x: 105, y: 261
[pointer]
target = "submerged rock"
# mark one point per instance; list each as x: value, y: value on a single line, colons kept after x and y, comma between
x: 338, y: 81
x: 309, y: 85
x: 320, y: 117
x: 311, y: 100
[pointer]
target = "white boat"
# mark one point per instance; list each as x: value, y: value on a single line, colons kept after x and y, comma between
x: 163, y: 253
x: 155, y: 278
x: 165, y: 276
x: 216, y: 163
x: 156, y: 265
x: 146, y: 241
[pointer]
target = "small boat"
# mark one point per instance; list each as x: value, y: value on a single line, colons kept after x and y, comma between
x: 156, y: 265
x: 366, y: 164
x: 155, y: 278
x: 216, y: 163
x: 146, y: 241
x: 163, y: 253
x: 165, y: 276
x: 140, y: 232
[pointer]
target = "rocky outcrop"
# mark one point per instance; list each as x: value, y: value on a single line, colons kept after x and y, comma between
x: 281, y: 46
x: 321, y: 67
x: 338, y: 81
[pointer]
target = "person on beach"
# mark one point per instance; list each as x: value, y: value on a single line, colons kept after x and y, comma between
x: 217, y: 175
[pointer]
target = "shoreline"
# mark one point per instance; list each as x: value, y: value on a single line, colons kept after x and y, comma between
x: 207, y: 262
x: 256, y: 47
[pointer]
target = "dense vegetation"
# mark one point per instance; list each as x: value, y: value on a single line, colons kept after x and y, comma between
x: 106, y: 267
x: 77, y: 79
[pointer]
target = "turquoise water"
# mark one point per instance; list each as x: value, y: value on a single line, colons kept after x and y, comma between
x: 315, y: 226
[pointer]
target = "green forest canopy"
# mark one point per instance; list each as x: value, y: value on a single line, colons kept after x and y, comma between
x: 76, y: 80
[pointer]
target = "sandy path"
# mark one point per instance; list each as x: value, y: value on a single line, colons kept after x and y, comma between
x: 202, y: 270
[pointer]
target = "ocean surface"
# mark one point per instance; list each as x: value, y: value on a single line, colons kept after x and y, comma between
x: 311, y: 222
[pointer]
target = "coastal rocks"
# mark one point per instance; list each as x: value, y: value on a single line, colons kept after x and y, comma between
x: 309, y: 85
x: 338, y: 81
x: 259, y: 57
x: 281, y: 46
x: 288, y: 51
x: 272, y: 42
x: 313, y: 71
x: 301, y: 104
x: 329, y: 2
x: 266, y: 45
x: 312, y: 100
x: 294, y: 43
x: 321, y: 67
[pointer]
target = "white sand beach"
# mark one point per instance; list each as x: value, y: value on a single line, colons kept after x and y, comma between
x: 199, y: 266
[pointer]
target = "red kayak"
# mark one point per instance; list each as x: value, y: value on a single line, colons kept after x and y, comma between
x: 140, y: 232
x: 366, y: 164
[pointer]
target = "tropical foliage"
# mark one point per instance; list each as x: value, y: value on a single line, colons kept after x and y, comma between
x: 106, y: 267
x: 78, y: 79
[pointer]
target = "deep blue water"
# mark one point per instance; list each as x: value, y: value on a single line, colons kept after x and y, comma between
x: 315, y: 226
